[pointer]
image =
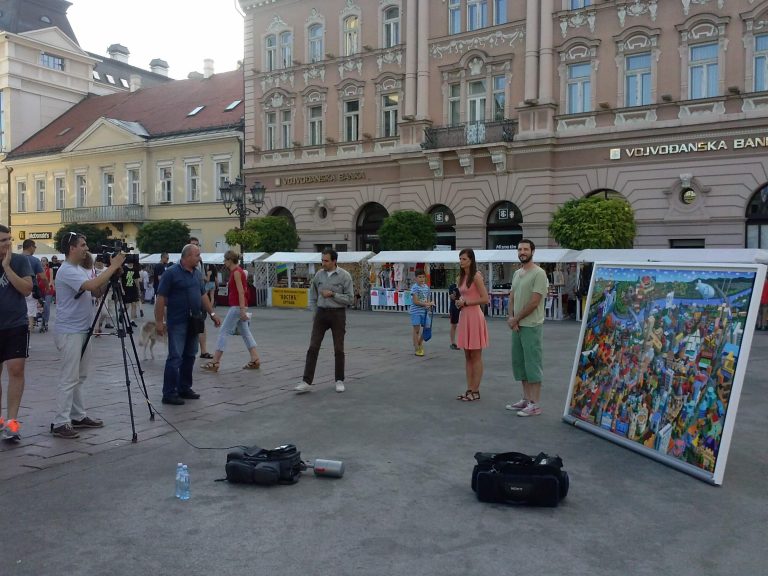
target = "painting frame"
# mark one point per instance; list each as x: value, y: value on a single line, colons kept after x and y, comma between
x: 661, y: 359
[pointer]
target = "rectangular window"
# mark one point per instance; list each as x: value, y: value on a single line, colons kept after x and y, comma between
x: 51, y: 61
x: 499, y: 12
x: 315, y: 125
x: 166, y: 184
x: 108, y: 189
x: 286, y: 49
x: 351, y: 29
x: 761, y: 63
x: 499, y: 97
x: 315, y: 43
x: 270, y: 52
x: 81, y: 188
x: 222, y: 176
x: 476, y: 101
x: 21, y: 196
x: 477, y: 14
x: 286, y: 128
x: 454, y: 104
x: 60, y: 185
x: 576, y: 4
x: 271, y: 131
x: 389, y: 105
x: 391, y: 27
x: 579, y: 92
x: 454, y: 17
x: 703, y: 71
x: 134, y: 186
x: 193, y: 182
x: 638, y: 71
x: 351, y: 120
x: 40, y: 195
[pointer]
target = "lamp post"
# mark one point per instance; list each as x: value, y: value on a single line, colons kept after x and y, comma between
x: 236, y: 201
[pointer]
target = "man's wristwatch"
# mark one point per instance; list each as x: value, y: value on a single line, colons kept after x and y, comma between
x: 212, y: 314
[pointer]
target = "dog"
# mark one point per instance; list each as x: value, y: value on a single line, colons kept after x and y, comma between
x: 148, y: 338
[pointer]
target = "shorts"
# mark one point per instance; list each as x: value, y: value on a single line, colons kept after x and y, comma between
x: 31, y: 306
x: 454, y: 313
x: 14, y: 343
x: 527, y: 345
x: 418, y: 318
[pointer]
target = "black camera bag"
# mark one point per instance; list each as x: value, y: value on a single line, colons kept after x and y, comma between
x: 515, y: 478
x: 254, y: 465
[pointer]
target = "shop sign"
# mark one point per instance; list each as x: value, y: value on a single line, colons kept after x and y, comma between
x: 321, y: 178
x: 688, y: 148
x: 290, y: 297
x: 40, y: 236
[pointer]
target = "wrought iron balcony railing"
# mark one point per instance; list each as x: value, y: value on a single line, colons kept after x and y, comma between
x: 97, y: 214
x: 469, y: 134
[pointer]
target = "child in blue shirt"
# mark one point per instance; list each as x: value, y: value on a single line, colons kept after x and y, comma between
x: 420, y: 306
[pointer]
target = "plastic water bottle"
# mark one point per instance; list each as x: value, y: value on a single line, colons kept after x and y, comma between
x: 178, y: 479
x: 184, y: 494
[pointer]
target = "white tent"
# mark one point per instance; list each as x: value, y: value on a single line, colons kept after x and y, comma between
x: 155, y: 258
x: 314, y: 257
x: 542, y: 255
x: 408, y: 256
x: 689, y: 255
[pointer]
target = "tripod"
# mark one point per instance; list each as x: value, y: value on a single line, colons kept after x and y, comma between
x: 123, y: 326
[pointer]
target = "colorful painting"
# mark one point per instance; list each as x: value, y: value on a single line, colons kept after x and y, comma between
x: 661, y: 358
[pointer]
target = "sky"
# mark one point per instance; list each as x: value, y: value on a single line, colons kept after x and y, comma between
x: 181, y: 32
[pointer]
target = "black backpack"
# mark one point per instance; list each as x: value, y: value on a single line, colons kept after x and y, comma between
x: 516, y: 478
x: 254, y: 465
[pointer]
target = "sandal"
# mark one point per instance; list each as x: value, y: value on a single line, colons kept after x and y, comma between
x: 470, y: 396
x: 252, y: 365
x: 462, y: 396
x: 210, y: 366
x: 207, y: 355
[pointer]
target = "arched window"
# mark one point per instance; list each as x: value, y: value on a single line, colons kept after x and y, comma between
x: 391, y: 27
x: 445, y: 225
x: 606, y: 194
x: 270, y: 52
x: 368, y: 223
x: 282, y: 212
x: 504, y: 230
x: 351, y: 35
x: 286, y: 49
x: 757, y: 219
x: 315, y: 35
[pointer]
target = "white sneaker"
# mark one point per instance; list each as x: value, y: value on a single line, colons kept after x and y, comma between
x: 340, y: 386
x: 531, y: 410
x: 519, y: 405
x: 302, y: 387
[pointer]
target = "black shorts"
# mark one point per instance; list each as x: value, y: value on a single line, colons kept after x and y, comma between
x: 454, y: 312
x: 14, y: 343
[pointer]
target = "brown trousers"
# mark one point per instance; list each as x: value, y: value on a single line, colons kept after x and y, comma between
x: 325, y: 318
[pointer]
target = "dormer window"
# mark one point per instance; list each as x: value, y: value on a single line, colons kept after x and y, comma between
x: 96, y: 75
x: 196, y: 110
x: 110, y: 78
x: 233, y: 105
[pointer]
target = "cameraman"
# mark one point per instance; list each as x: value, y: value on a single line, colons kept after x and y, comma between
x: 74, y: 315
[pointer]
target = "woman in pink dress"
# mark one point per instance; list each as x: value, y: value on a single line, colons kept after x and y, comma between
x: 472, y: 333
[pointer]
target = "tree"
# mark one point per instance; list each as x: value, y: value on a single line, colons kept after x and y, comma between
x: 162, y: 236
x: 267, y: 234
x: 594, y: 222
x: 94, y: 236
x: 407, y: 230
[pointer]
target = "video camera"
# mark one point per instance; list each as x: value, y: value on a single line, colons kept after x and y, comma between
x: 105, y: 253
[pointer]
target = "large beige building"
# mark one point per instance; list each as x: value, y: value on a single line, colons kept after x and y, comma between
x: 489, y: 114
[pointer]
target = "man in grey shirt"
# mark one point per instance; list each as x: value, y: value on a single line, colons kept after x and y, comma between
x: 330, y: 292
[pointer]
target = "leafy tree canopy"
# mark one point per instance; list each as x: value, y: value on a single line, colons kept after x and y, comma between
x: 407, y: 230
x: 94, y: 236
x: 594, y: 222
x: 162, y: 236
x: 266, y: 234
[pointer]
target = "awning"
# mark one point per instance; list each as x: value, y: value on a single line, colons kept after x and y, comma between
x: 155, y: 258
x: 683, y: 255
x: 408, y: 256
x: 542, y: 255
x: 315, y: 257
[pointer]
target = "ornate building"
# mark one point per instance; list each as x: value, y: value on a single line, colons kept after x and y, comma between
x: 489, y: 114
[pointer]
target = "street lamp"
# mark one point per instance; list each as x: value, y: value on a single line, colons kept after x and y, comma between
x: 236, y: 202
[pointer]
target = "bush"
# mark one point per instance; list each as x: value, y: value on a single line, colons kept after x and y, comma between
x: 162, y: 236
x: 594, y: 222
x: 407, y: 230
x: 266, y: 234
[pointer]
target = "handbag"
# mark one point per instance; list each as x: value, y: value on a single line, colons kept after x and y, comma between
x: 427, y: 325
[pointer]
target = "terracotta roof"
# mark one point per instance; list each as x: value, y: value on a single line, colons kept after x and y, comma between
x: 162, y: 110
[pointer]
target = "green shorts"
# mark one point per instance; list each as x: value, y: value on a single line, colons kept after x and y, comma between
x: 527, y: 345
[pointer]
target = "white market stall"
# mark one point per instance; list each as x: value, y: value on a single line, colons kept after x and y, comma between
x: 290, y: 273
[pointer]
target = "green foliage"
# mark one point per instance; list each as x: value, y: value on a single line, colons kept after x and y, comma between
x: 267, y: 234
x: 594, y: 222
x: 407, y: 230
x: 162, y: 236
x: 94, y: 236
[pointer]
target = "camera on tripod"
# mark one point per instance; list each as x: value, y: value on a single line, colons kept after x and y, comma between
x: 106, y: 252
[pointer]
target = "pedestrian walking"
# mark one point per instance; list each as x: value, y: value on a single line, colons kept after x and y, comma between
x: 180, y: 304
x: 16, y: 279
x: 330, y: 292
x: 472, y: 330
x: 237, y: 316
x: 526, y: 320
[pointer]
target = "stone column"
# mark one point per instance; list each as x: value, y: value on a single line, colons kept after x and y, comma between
x: 531, y: 93
x: 422, y: 102
x: 546, y: 53
x: 410, y: 19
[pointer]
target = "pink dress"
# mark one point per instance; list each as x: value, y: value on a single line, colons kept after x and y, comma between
x: 472, y: 332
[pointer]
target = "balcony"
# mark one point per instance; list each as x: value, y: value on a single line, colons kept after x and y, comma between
x: 99, y: 214
x: 469, y: 134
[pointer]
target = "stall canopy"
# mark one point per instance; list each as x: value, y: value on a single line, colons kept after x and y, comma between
x: 689, y: 255
x: 542, y: 255
x: 314, y: 257
x: 155, y: 258
x: 408, y: 256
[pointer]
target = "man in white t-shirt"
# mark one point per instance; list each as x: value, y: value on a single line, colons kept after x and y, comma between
x: 74, y: 315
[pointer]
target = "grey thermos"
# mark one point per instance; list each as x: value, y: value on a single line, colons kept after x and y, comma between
x: 330, y: 468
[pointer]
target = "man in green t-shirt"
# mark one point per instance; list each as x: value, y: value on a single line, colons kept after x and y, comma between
x: 526, y: 305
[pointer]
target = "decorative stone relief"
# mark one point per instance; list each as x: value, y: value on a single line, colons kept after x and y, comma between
x: 435, y: 164
x: 313, y: 73
x: 577, y: 20
x: 475, y: 66
x: 276, y: 79
x: 277, y: 23
x: 466, y: 161
x: 502, y: 37
x: 637, y: 8
x: 391, y: 56
x: 687, y: 4
x: 350, y: 65
x: 349, y: 8
x: 314, y: 16
x: 499, y: 159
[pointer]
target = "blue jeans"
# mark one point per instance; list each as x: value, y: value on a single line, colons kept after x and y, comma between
x: 182, y: 349
x: 232, y: 321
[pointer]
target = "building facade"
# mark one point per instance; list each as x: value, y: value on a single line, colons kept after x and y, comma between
x: 490, y: 114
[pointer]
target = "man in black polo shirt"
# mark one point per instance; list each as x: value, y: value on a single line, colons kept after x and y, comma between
x: 180, y: 296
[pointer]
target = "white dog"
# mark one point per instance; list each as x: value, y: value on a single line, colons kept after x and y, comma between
x: 149, y: 337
